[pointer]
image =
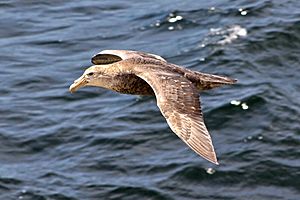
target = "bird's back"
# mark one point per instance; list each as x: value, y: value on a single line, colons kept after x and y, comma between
x: 202, y: 81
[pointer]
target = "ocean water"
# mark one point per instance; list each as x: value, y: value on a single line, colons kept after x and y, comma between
x: 97, y: 144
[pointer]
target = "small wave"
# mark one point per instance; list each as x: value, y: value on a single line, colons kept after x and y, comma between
x: 129, y: 192
x: 24, y: 194
x: 177, y: 20
x: 228, y: 34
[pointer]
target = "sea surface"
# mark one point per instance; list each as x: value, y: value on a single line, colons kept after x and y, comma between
x: 98, y: 144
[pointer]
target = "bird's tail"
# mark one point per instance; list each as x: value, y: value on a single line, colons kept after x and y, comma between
x: 205, y: 81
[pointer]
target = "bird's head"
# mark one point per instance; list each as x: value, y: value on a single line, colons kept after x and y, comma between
x: 93, y: 76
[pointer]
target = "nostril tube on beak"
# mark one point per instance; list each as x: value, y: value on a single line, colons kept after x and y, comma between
x: 77, y: 84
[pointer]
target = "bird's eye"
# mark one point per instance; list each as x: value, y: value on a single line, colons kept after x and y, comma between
x: 90, y: 74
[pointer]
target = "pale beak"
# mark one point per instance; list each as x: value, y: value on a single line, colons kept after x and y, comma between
x: 80, y: 82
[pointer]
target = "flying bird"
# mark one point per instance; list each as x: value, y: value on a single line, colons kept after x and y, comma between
x: 176, y: 89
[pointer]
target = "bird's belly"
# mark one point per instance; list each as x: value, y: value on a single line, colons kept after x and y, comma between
x: 131, y: 84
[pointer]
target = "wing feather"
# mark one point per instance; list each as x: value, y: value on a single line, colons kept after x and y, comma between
x: 111, y: 56
x: 178, y: 100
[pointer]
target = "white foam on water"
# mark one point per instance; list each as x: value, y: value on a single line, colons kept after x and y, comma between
x: 229, y: 34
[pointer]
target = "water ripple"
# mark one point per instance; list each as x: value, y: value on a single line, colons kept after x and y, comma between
x: 97, y: 144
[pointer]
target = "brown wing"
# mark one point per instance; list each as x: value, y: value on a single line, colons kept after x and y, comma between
x: 178, y: 100
x: 111, y: 56
x: 104, y: 59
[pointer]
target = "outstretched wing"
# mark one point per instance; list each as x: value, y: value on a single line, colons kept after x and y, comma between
x: 178, y: 100
x: 111, y: 56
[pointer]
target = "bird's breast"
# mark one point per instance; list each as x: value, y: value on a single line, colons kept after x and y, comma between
x: 131, y: 84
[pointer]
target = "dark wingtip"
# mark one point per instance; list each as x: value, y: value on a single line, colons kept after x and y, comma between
x: 104, y: 59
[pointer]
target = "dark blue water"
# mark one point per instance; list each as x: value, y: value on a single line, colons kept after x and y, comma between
x: 97, y: 144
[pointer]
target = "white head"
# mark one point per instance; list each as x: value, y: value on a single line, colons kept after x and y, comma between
x: 93, y: 76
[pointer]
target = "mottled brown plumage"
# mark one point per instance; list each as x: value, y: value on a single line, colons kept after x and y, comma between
x: 176, y: 90
x: 132, y: 84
